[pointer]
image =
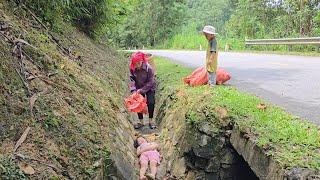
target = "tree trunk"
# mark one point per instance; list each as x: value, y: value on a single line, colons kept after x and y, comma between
x: 301, y: 17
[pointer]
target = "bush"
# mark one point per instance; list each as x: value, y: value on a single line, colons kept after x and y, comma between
x: 9, y: 170
x: 91, y: 16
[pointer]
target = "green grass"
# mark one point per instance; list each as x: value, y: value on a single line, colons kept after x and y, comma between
x: 193, y: 41
x: 189, y: 39
x: 9, y: 169
x: 291, y: 141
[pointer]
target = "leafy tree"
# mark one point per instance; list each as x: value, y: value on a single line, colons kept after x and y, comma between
x: 150, y: 22
x: 94, y: 17
x: 137, y: 23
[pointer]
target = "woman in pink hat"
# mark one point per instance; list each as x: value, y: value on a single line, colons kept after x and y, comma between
x: 142, y: 81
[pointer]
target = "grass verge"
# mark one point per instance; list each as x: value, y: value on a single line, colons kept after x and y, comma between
x: 189, y: 40
x: 291, y: 141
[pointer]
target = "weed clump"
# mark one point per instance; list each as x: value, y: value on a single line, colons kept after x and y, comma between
x: 9, y: 170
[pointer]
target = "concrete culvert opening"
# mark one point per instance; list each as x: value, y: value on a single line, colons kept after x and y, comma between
x: 197, y: 151
x: 216, y: 159
x: 214, y: 169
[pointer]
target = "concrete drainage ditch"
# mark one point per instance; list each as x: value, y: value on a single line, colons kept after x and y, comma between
x: 200, y: 151
x: 204, y: 152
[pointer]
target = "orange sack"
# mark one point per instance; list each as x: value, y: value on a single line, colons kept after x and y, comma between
x: 136, y: 103
x: 199, y: 77
x: 222, y: 76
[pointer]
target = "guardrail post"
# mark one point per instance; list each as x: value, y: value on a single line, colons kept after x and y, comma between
x: 318, y: 49
x: 290, y: 47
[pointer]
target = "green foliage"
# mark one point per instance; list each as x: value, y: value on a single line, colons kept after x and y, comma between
x: 256, y: 18
x: 52, y: 122
x: 9, y: 170
x: 187, y: 38
x: 149, y: 22
x: 138, y: 23
x: 237, y: 20
x: 94, y: 17
x: 51, y: 11
x: 190, y: 38
x: 316, y: 28
x: 202, y: 12
x: 192, y: 117
x: 107, y: 161
x: 61, y: 114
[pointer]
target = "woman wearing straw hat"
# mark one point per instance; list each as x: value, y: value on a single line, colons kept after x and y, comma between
x: 212, y: 53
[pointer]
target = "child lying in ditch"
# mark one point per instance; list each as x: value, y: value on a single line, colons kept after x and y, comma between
x: 147, y: 153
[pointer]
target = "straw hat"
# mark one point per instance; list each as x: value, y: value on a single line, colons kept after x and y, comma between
x: 209, y: 30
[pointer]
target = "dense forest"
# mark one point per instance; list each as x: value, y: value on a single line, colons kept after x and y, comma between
x: 237, y: 19
x: 137, y: 23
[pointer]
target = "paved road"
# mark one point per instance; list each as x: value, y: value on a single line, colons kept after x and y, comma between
x: 291, y: 82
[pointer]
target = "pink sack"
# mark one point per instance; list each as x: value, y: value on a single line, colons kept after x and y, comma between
x: 136, y: 103
x: 198, y: 77
x: 222, y: 76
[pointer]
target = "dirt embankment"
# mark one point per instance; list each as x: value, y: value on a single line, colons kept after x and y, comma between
x: 69, y: 90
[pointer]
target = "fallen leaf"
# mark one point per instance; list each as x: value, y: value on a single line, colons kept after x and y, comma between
x: 64, y: 159
x: 33, y: 99
x: 4, y: 27
x: 52, y: 74
x: 223, y: 113
x: 23, y: 42
x: 42, y: 118
x: 26, y: 168
x: 46, y: 81
x: 136, y: 134
x: 151, y: 137
x: 247, y: 136
x: 262, y: 106
x: 266, y: 147
x: 22, y: 139
x: 97, y: 163
x: 53, y: 147
x: 31, y: 77
x: 56, y: 113
x: 62, y: 66
x: 181, y: 93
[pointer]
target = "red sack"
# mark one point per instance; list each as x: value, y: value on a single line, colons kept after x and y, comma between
x: 136, y: 103
x: 199, y: 77
x: 222, y: 76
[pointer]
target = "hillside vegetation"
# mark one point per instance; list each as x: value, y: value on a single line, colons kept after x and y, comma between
x: 67, y: 88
